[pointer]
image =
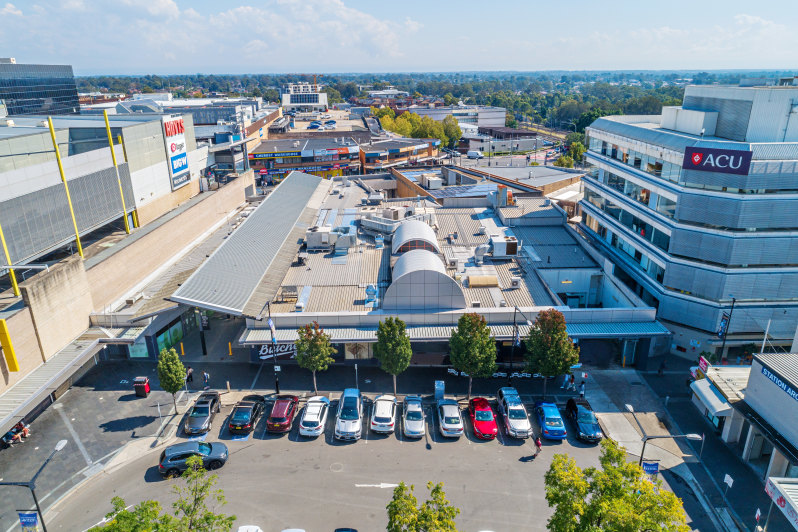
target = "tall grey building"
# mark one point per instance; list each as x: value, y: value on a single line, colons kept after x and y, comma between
x: 698, y: 210
x: 38, y: 89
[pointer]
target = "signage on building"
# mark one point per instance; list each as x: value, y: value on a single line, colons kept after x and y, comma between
x: 778, y: 381
x: 780, y: 499
x: 268, y: 351
x: 272, y: 155
x: 175, y: 143
x: 715, y: 160
x: 703, y: 364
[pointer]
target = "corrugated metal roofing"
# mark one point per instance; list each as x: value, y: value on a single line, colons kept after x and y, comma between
x: 785, y: 364
x: 413, y: 230
x: 230, y: 276
x: 417, y: 260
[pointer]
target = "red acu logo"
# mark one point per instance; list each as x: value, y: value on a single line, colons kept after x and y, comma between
x: 697, y: 158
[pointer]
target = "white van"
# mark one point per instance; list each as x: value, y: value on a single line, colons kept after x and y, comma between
x: 474, y: 154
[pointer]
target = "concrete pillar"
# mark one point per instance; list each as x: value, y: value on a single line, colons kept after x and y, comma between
x: 749, y: 442
x: 778, y: 464
x: 733, y: 427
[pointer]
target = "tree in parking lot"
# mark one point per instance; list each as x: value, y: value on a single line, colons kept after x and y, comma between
x: 313, y: 350
x: 171, y: 373
x: 472, y: 349
x: 436, y: 514
x: 191, y: 511
x: 549, y: 350
x: 616, y: 496
x: 393, y: 347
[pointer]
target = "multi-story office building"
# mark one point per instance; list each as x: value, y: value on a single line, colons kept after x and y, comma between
x: 698, y: 210
x: 38, y: 89
x: 303, y: 97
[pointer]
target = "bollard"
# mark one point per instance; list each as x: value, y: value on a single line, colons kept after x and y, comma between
x: 228, y: 386
x: 667, y: 398
x: 182, y: 351
x: 230, y: 348
x: 159, y: 410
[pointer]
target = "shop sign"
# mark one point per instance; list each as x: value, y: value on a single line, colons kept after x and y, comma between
x: 272, y: 155
x: 778, y: 381
x: 715, y: 160
x: 276, y: 350
x: 703, y: 364
x: 175, y: 145
x: 778, y: 497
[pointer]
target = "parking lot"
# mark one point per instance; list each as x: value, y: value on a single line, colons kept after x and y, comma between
x: 285, y: 480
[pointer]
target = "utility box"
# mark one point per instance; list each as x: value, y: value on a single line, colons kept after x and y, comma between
x: 440, y: 390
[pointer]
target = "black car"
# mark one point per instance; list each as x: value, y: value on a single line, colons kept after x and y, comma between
x: 201, y: 416
x: 587, y: 426
x: 246, y: 414
x: 173, y: 459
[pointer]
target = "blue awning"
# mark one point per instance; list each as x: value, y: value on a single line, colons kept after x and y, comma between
x: 616, y: 329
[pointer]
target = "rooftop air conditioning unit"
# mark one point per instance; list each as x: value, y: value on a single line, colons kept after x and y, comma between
x: 300, y: 306
x: 515, y: 282
x: 452, y: 262
x: 482, y: 230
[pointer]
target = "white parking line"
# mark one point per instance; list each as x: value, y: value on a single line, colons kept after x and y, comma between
x: 255, y: 380
x: 75, y: 437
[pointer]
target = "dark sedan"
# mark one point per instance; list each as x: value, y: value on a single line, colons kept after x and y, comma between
x: 202, y: 413
x: 173, y: 459
x: 282, y: 415
x: 246, y: 414
x: 584, y: 420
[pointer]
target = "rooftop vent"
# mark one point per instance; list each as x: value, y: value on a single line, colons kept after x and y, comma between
x: 476, y: 304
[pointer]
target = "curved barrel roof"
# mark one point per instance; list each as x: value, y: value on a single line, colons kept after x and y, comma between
x: 420, y: 283
x: 413, y: 230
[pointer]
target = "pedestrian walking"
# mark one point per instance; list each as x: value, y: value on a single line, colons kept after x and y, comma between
x: 582, y: 390
x: 205, y: 379
x: 571, y: 384
x: 539, y: 445
x: 189, y: 374
x: 565, y: 380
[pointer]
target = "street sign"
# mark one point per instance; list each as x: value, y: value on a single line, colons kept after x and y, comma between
x: 651, y: 468
x: 758, y: 514
x: 276, y: 368
x: 728, y: 480
x: 29, y: 521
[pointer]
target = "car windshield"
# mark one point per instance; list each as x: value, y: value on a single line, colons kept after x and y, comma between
x: 204, y: 448
x: 517, y: 413
x: 587, y: 417
x: 451, y: 420
x: 349, y: 410
x: 414, y: 415
x: 241, y: 416
x: 484, y: 415
x: 200, y: 411
x: 553, y: 423
x: 310, y: 424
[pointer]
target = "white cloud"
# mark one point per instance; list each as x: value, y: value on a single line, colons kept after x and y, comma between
x: 10, y: 9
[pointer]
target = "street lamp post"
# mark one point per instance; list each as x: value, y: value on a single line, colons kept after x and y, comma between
x: 516, y: 340
x: 647, y: 437
x: 726, y: 330
x: 31, y: 484
x: 259, y: 317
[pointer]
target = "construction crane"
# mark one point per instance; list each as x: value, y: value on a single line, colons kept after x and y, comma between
x: 314, y: 78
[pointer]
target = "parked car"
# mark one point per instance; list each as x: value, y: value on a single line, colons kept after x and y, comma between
x: 206, y: 407
x: 349, y: 419
x: 482, y: 418
x: 516, y: 419
x: 173, y: 459
x: 413, y: 417
x: 475, y: 154
x: 551, y: 423
x: 449, y: 420
x: 246, y: 414
x: 383, y: 414
x: 282, y: 414
x: 330, y: 123
x: 585, y: 422
x: 313, y: 126
x: 314, y: 417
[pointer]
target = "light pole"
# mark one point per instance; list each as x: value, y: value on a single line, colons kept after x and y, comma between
x: 646, y: 437
x: 726, y: 330
x: 516, y: 340
x: 31, y: 484
x: 259, y: 317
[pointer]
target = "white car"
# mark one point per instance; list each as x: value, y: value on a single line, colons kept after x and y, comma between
x: 314, y: 418
x: 516, y: 420
x: 413, y: 417
x: 449, y: 419
x: 349, y: 420
x: 383, y: 414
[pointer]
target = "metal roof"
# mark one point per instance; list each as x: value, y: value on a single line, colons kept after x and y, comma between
x: 785, y: 364
x: 788, y: 489
x: 228, y: 279
x: 417, y: 260
x: 414, y: 230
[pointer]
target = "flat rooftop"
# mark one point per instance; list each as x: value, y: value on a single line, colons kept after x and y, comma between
x: 536, y: 176
x: 305, y: 144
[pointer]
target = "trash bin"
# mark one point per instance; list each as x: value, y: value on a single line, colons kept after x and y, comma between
x: 142, y: 386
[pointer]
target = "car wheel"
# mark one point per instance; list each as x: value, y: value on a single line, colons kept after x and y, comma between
x: 214, y: 464
x: 172, y: 473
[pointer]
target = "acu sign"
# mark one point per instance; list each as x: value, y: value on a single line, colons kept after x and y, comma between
x: 714, y: 160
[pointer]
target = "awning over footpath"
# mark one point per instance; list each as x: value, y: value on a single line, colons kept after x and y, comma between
x: 714, y: 402
x: 444, y: 332
x: 784, y: 493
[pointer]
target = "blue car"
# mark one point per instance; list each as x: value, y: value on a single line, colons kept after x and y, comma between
x: 551, y: 423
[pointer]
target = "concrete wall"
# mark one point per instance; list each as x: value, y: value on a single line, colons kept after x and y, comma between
x: 406, y: 188
x: 160, y: 206
x: 118, y: 274
x: 26, y: 346
x: 60, y: 301
x: 772, y: 402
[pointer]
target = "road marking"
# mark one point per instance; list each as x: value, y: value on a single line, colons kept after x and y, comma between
x: 255, y: 380
x: 381, y: 485
x: 75, y: 436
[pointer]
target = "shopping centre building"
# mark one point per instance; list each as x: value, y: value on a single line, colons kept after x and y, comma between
x: 697, y: 208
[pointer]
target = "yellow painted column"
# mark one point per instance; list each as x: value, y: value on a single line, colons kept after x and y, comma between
x: 66, y: 186
x: 118, y: 179
x: 8, y: 347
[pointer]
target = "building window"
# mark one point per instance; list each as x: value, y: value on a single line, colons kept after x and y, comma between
x: 640, y: 227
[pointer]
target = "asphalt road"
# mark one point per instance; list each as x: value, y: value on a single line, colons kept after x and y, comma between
x: 284, y: 481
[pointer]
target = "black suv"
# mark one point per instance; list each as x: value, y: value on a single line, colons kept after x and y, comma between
x: 587, y: 426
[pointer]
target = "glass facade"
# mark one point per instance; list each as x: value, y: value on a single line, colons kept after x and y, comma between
x: 304, y: 98
x: 635, y: 159
x: 38, y: 89
x: 639, y: 259
x: 644, y: 230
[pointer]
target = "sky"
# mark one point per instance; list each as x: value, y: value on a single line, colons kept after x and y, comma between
x: 317, y: 36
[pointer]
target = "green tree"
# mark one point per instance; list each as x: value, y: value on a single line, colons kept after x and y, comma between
x: 618, y: 496
x: 564, y: 161
x: 448, y: 99
x: 171, y: 373
x: 393, y: 347
x: 144, y: 517
x: 452, y: 130
x: 313, y: 350
x: 436, y: 514
x: 576, y: 150
x: 549, y: 350
x: 575, y: 137
x: 510, y: 121
x: 191, y: 508
x: 472, y: 349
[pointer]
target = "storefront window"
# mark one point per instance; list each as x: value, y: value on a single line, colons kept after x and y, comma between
x: 139, y: 349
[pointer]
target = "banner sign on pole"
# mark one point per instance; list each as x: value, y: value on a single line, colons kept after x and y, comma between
x: 29, y: 521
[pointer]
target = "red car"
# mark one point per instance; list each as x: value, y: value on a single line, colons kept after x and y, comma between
x: 482, y: 418
x: 282, y: 415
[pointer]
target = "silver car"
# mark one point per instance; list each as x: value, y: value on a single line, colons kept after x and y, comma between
x: 516, y: 420
x: 201, y: 416
x: 314, y: 417
x: 450, y: 421
x: 349, y: 420
x: 413, y: 417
